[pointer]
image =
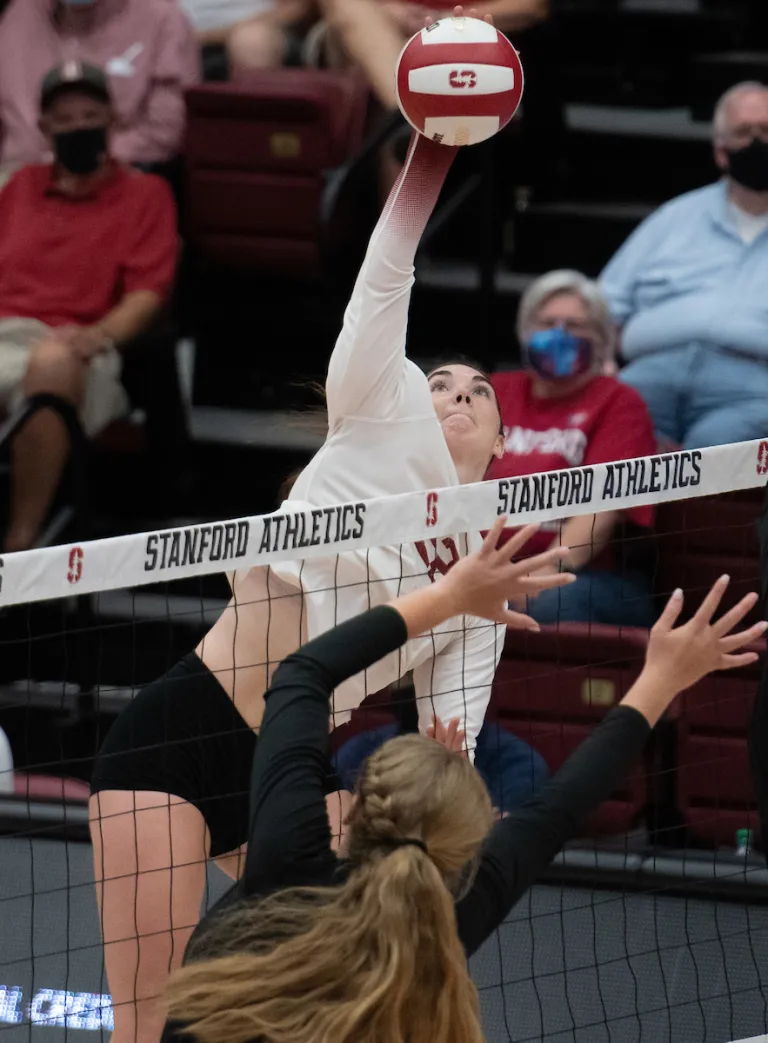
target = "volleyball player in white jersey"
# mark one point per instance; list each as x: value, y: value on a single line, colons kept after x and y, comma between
x: 390, y: 433
x: 170, y: 785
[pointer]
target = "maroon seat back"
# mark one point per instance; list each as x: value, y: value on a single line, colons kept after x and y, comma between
x: 703, y: 538
x: 714, y: 784
x: 50, y: 787
x: 257, y: 153
x: 552, y: 688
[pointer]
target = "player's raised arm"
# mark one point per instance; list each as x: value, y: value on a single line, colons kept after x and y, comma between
x: 520, y: 847
x: 289, y: 837
x: 367, y: 367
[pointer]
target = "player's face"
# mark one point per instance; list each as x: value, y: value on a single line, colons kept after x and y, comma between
x: 468, y: 411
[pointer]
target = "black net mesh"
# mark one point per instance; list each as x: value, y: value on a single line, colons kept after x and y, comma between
x: 650, y: 926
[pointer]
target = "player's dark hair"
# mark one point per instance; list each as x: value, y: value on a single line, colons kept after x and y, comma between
x: 377, y: 959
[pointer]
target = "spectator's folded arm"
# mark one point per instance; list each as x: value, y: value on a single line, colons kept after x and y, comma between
x: 157, y: 137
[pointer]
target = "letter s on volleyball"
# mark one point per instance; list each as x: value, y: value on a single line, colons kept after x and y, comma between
x: 465, y: 89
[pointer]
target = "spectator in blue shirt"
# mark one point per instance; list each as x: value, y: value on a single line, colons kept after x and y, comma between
x: 689, y: 290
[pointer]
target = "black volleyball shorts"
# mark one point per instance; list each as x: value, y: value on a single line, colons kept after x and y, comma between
x: 182, y: 735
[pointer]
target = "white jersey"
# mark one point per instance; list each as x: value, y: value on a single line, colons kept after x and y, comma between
x: 384, y: 438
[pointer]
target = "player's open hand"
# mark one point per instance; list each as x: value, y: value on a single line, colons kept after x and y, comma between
x: 678, y: 657
x: 482, y: 584
x: 458, y: 12
x: 449, y: 735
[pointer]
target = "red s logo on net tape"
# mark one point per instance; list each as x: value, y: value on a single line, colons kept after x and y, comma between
x: 762, y: 458
x: 75, y: 572
x: 431, y: 509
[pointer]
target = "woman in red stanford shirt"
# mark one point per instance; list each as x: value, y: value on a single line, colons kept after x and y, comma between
x: 560, y: 411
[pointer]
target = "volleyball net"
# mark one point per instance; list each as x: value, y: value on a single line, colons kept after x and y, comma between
x: 650, y: 926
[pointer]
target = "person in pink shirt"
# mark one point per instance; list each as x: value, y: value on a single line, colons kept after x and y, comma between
x: 562, y: 410
x: 147, y: 47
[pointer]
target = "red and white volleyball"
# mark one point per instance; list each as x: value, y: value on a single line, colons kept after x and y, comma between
x: 459, y: 81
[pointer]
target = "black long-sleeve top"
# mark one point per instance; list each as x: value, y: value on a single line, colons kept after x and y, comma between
x: 290, y: 839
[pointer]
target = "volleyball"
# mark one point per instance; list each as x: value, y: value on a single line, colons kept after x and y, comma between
x: 459, y: 81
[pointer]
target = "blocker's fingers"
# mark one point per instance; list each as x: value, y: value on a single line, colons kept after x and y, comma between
x: 454, y: 738
x: 708, y: 607
x: 515, y: 542
x: 490, y: 543
x: 733, y: 662
x: 734, y: 615
x: 517, y: 620
x: 671, y: 611
x: 733, y: 641
x: 536, y: 584
x: 547, y: 559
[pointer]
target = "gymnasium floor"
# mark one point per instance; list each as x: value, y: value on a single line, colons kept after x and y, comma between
x: 578, y: 965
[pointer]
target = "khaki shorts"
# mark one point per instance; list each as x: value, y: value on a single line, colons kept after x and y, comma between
x: 105, y: 398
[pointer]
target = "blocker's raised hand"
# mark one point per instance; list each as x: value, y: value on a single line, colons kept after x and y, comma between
x: 680, y: 656
x: 483, y: 583
x: 449, y: 735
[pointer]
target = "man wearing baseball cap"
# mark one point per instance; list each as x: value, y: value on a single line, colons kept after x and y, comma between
x: 87, y: 256
x: 147, y: 48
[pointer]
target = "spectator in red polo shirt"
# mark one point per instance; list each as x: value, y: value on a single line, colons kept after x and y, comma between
x: 562, y: 411
x: 87, y: 255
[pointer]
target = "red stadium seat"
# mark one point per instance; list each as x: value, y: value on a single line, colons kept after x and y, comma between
x: 712, y: 524
x: 551, y: 689
x: 257, y: 153
x: 50, y: 787
x: 714, y: 786
x: 700, y: 539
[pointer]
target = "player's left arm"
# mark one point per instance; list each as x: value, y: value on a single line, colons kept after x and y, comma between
x: 457, y: 682
x: 367, y: 368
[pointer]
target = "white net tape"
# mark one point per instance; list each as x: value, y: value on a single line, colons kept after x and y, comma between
x: 315, y: 532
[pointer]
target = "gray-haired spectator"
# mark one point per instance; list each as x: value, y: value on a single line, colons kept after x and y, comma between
x: 689, y: 291
x: 560, y: 411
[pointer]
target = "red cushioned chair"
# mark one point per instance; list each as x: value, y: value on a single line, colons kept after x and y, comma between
x: 714, y: 785
x: 45, y: 806
x: 258, y: 152
x: 551, y: 689
x: 702, y: 538
x: 50, y: 787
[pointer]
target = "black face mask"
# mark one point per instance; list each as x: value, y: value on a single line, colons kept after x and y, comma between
x: 79, y: 151
x: 749, y: 166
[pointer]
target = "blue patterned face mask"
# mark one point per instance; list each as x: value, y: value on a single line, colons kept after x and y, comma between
x: 557, y: 354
